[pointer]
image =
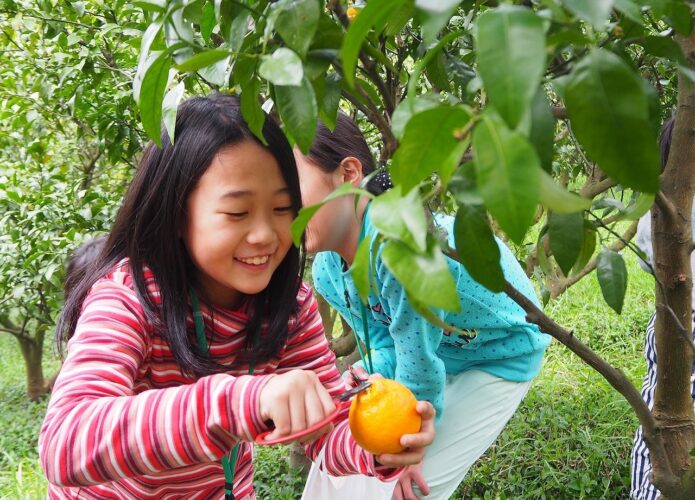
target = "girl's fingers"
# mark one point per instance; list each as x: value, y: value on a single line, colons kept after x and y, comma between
x: 313, y: 408
x: 426, y: 411
x: 421, y: 483
x: 281, y: 419
x: 426, y: 434
x: 325, y: 399
x: 407, y: 488
x: 297, y: 406
x: 398, y: 492
x: 349, y: 380
x: 403, y: 459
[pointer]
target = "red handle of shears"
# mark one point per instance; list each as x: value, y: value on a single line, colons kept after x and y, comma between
x: 339, y: 406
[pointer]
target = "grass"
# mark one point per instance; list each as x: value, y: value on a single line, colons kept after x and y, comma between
x: 570, y: 438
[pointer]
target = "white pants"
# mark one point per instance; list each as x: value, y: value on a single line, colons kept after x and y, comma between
x: 477, y: 406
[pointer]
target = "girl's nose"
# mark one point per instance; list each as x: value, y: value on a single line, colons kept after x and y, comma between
x: 262, y: 233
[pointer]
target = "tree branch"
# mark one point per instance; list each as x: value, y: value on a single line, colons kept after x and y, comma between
x: 663, y: 475
x: 667, y: 208
x: 590, y: 190
x: 373, y: 115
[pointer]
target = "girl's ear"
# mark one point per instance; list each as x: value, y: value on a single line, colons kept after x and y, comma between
x: 351, y: 170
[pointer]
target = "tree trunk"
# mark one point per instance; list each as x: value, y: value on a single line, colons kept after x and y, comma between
x: 673, y: 242
x: 32, y: 352
x: 328, y: 315
x: 298, y: 459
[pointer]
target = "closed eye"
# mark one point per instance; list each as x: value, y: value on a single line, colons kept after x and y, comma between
x: 283, y: 210
x: 236, y: 215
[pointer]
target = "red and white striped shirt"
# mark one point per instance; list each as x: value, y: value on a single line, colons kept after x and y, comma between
x: 124, y: 422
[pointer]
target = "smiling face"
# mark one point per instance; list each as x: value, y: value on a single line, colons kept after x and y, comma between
x: 238, y: 221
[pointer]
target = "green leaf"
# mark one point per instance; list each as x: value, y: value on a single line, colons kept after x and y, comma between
x: 208, y: 23
x: 434, y: 15
x: 566, y: 235
x: 298, y: 110
x: 679, y: 16
x: 297, y: 24
x: 154, y: 84
x: 476, y: 247
x: 662, y: 46
x: 300, y: 222
x: 634, y: 211
x: 401, y: 217
x: 609, y: 109
x: 511, y: 59
x: 329, y: 34
x: 151, y: 5
x: 588, y: 247
x: 237, y: 31
x: 202, y: 60
x: 508, y: 173
x: 329, y: 100
x: 612, y: 278
x: 283, y: 67
x: 464, y: 186
x: 433, y: 142
x: 595, y: 12
x: 556, y: 198
x: 251, y: 108
x: 399, y: 19
x: 169, y: 107
x: 542, y: 134
x: 410, y: 107
x: 374, y: 15
x: 436, y: 72
x: 360, y: 269
x: 630, y: 9
x: 424, y: 276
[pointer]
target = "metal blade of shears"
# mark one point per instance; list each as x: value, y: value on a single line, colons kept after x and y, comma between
x: 347, y: 395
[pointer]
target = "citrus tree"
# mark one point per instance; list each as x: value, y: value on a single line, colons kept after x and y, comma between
x: 68, y: 137
x: 513, y: 115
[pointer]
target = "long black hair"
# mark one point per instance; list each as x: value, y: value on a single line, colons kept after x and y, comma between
x: 148, y: 225
x: 330, y: 148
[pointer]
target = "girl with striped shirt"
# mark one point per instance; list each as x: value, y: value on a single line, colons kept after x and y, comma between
x: 192, y: 332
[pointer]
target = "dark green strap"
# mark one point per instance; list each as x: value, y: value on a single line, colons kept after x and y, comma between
x: 365, y: 327
x: 366, y: 359
x: 227, y: 465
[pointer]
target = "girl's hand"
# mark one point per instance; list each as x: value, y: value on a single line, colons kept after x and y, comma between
x: 404, y: 488
x: 295, y: 401
x: 415, y: 443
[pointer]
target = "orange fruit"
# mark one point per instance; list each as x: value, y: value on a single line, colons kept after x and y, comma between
x: 381, y: 414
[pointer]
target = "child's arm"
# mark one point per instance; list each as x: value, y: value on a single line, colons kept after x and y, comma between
x: 98, y: 430
x: 307, y: 349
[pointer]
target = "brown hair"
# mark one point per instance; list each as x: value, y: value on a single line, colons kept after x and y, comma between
x: 331, y: 148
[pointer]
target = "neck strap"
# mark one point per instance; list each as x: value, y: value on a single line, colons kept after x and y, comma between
x: 365, y: 357
x: 228, y: 464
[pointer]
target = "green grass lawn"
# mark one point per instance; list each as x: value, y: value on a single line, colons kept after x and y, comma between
x: 571, y: 437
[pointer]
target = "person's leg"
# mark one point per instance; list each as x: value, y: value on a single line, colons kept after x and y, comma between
x: 477, y: 407
x: 641, y: 487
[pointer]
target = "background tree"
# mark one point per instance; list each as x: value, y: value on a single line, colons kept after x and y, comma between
x: 473, y: 101
x: 68, y: 140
